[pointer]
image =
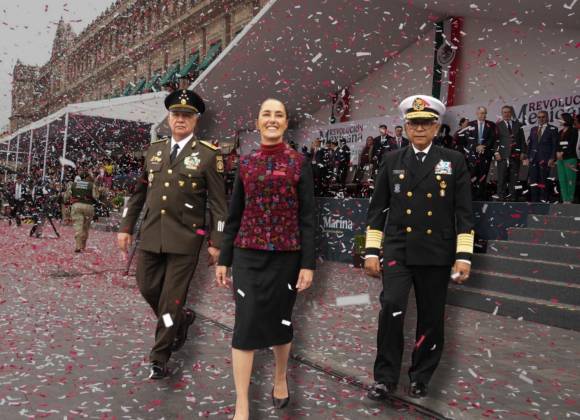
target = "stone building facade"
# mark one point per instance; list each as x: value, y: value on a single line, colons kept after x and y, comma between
x: 133, y: 47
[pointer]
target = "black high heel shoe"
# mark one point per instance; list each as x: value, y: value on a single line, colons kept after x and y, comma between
x: 280, y: 403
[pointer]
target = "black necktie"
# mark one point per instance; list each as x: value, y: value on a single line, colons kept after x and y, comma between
x: 174, y: 152
x: 420, y: 156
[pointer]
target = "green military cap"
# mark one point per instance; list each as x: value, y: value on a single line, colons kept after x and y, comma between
x: 184, y: 100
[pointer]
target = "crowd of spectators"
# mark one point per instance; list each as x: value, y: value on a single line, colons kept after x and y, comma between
x: 110, y: 150
x: 504, y: 163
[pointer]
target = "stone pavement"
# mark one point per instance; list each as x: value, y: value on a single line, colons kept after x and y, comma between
x: 75, y: 335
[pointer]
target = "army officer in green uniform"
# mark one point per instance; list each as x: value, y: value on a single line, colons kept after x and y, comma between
x: 181, y: 176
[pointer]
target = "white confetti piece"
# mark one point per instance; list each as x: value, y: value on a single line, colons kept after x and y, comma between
x: 524, y: 378
x: 455, y: 275
x: 290, y: 287
x: 241, y: 293
x: 434, y: 347
x: 362, y: 53
x: 167, y: 320
x: 484, y: 208
x: 363, y: 299
x: 495, y: 310
x: 472, y: 373
x: 286, y: 322
x: 397, y: 313
x: 316, y: 57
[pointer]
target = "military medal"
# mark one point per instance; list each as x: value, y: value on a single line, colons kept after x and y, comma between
x: 159, y: 153
x: 150, y: 177
x: 181, y: 183
x: 192, y: 162
x: 442, y: 193
x: 397, y: 188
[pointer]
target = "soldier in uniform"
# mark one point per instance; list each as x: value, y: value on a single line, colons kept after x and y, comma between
x: 181, y: 176
x: 425, y: 191
x: 82, y: 194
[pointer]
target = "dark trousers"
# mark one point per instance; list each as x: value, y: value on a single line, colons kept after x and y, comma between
x: 538, y: 180
x: 507, y: 177
x: 478, y: 170
x: 430, y: 283
x: 163, y: 281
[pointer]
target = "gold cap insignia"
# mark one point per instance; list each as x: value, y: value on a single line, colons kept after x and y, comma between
x: 183, y: 102
x: 418, y: 104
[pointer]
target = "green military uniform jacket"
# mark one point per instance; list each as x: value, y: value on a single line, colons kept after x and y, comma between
x: 423, y: 209
x: 175, y: 196
x: 82, y: 192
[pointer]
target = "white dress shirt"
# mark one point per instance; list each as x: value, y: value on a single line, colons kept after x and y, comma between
x: 180, y: 143
x: 425, y: 150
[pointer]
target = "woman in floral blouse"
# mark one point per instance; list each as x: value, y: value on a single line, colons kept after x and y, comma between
x: 269, y: 243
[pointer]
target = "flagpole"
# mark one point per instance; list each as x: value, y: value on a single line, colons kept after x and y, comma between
x: 17, y: 153
x: 64, y: 145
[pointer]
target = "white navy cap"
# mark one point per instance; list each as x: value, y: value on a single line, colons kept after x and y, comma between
x: 421, y: 106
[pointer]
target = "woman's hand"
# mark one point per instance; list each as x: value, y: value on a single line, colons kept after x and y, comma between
x: 304, y: 279
x: 221, y: 276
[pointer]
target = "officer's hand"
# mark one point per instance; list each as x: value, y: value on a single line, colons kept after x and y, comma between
x: 124, y: 241
x: 373, y: 266
x: 460, y: 272
x: 214, y: 255
x: 304, y: 279
x: 221, y: 276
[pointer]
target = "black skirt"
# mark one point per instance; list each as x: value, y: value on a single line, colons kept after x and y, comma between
x: 265, y: 291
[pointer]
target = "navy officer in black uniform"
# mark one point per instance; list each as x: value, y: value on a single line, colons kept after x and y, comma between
x: 424, y: 190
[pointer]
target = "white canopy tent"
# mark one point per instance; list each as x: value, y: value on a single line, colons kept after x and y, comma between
x: 139, y: 108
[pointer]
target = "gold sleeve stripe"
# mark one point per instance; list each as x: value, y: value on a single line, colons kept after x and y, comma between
x: 465, y: 243
x: 374, y: 238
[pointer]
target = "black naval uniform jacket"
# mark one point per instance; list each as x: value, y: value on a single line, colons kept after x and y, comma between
x: 175, y: 197
x: 428, y: 205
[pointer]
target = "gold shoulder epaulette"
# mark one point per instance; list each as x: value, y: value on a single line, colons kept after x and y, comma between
x: 208, y: 144
x: 160, y: 140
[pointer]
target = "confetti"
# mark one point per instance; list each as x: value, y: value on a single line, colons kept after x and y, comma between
x: 362, y: 299
x: 167, y: 320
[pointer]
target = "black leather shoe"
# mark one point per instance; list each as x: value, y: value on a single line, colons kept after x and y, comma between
x: 280, y: 403
x: 380, y: 391
x: 417, y: 390
x: 188, y: 319
x: 157, y: 370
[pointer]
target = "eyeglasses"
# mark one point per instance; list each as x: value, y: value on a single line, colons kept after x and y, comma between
x: 414, y: 125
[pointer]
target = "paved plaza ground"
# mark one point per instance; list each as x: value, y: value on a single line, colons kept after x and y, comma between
x: 75, y: 334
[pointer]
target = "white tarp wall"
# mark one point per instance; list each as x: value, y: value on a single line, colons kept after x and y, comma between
x: 498, y: 61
